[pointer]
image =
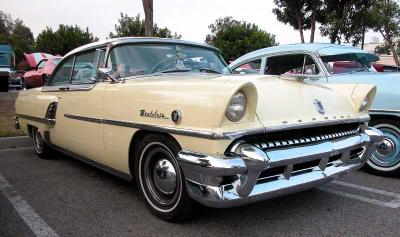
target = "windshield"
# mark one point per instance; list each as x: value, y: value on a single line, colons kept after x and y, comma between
x: 347, y: 63
x: 141, y: 59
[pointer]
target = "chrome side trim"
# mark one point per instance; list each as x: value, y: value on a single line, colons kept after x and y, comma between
x: 83, y: 118
x: 36, y: 119
x: 212, y: 135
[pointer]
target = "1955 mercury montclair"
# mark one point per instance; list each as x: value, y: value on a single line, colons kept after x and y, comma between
x: 169, y: 113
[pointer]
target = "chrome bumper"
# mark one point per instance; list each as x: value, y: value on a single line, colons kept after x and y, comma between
x: 233, y: 181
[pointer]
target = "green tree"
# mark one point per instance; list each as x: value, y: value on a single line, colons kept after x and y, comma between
x: 301, y: 15
x: 64, y: 39
x: 15, y: 33
x: 346, y: 21
x: 235, y: 38
x: 386, y: 16
x: 134, y: 26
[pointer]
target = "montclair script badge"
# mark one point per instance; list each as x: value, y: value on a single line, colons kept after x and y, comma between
x: 318, y: 105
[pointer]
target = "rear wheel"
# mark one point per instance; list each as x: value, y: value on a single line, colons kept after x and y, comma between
x: 160, y: 180
x: 42, y: 150
x: 386, y: 159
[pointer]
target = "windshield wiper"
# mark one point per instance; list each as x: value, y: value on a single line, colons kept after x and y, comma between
x: 208, y: 70
x: 174, y: 70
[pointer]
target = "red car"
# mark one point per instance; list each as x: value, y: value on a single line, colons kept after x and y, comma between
x: 39, y: 75
x: 385, y: 68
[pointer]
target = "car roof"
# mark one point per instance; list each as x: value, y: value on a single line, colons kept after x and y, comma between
x: 318, y: 48
x: 128, y: 40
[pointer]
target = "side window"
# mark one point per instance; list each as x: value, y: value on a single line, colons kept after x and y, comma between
x: 252, y: 67
x: 85, y: 68
x: 291, y: 64
x: 63, y: 75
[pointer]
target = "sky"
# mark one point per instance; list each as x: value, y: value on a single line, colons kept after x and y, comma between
x: 190, y: 18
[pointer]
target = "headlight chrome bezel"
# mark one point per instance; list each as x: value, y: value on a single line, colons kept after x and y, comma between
x: 237, y: 107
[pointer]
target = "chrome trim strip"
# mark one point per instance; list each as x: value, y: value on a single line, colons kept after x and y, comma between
x: 83, y: 118
x: 384, y: 111
x: 36, y: 119
x: 155, y: 128
x: 212, y: 135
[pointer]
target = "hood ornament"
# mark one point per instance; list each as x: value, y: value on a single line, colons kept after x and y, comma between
x: 319, y: 107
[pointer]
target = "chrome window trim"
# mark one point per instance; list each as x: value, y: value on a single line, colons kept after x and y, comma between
x: 212, y: 135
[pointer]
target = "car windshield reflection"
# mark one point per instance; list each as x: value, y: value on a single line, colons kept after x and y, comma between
x: 146, y: 59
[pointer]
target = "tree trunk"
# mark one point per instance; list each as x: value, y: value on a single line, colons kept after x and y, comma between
x: 300, y: 22
x: 387, y: 36
x: 148, y: 20
x: 313, y: 20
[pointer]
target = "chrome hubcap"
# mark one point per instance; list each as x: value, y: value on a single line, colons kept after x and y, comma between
x: 386, y: 148
x: 38, y: 141
x: 387, y: 153
x: 164, y: 176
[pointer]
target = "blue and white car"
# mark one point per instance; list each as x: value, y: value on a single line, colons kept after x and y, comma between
x: 330, y: 63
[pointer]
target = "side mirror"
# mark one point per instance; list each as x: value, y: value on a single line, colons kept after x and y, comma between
x: 104, y: 73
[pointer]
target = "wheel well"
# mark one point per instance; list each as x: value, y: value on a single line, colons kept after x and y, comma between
x: 137, y: 137
x: 384, y: 116
x: 30, y: 127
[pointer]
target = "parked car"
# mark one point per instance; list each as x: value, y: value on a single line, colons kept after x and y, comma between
x: 38, y: 76
x: 7, y: 63
x: 329, y: 63
x: 385, y: 68
x: 15, y: 79
x: 169, y: 113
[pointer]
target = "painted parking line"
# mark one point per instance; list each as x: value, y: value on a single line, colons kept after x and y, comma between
x: 393, y: 203
x: 38, y: 226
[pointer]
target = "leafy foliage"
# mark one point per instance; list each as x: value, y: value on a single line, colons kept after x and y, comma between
x: 386, y: 20
x: 301, y: 15
x: 382, y: 49
x: 16, y: 34
x: 235, y: 38
x: 134, y: 26
x: 64, y: 39
x: 346, y: 21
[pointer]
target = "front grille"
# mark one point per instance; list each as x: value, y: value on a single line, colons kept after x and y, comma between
x: 302, y: 136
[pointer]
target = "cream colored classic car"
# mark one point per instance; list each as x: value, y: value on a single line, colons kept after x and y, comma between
x: 169, y: 113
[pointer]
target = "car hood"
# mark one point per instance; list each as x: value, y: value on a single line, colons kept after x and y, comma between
x: 287, y: 102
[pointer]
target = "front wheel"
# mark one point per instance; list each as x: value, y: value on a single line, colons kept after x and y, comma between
x: 386, y: 159
x: 160, y: 180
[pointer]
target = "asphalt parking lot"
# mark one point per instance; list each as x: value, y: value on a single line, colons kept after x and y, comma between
x: 65, y: 197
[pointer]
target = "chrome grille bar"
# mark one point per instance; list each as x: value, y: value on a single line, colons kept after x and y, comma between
x: 303, y: 140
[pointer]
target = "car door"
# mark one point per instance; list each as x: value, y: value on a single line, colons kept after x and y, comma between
x: 78, y: 127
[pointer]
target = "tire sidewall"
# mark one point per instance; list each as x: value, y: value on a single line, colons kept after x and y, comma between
x: 391, y: 124
x: 173, y: 148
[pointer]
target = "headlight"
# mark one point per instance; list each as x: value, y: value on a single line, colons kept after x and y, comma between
x: 364, y: 104
x: 237, y: 107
